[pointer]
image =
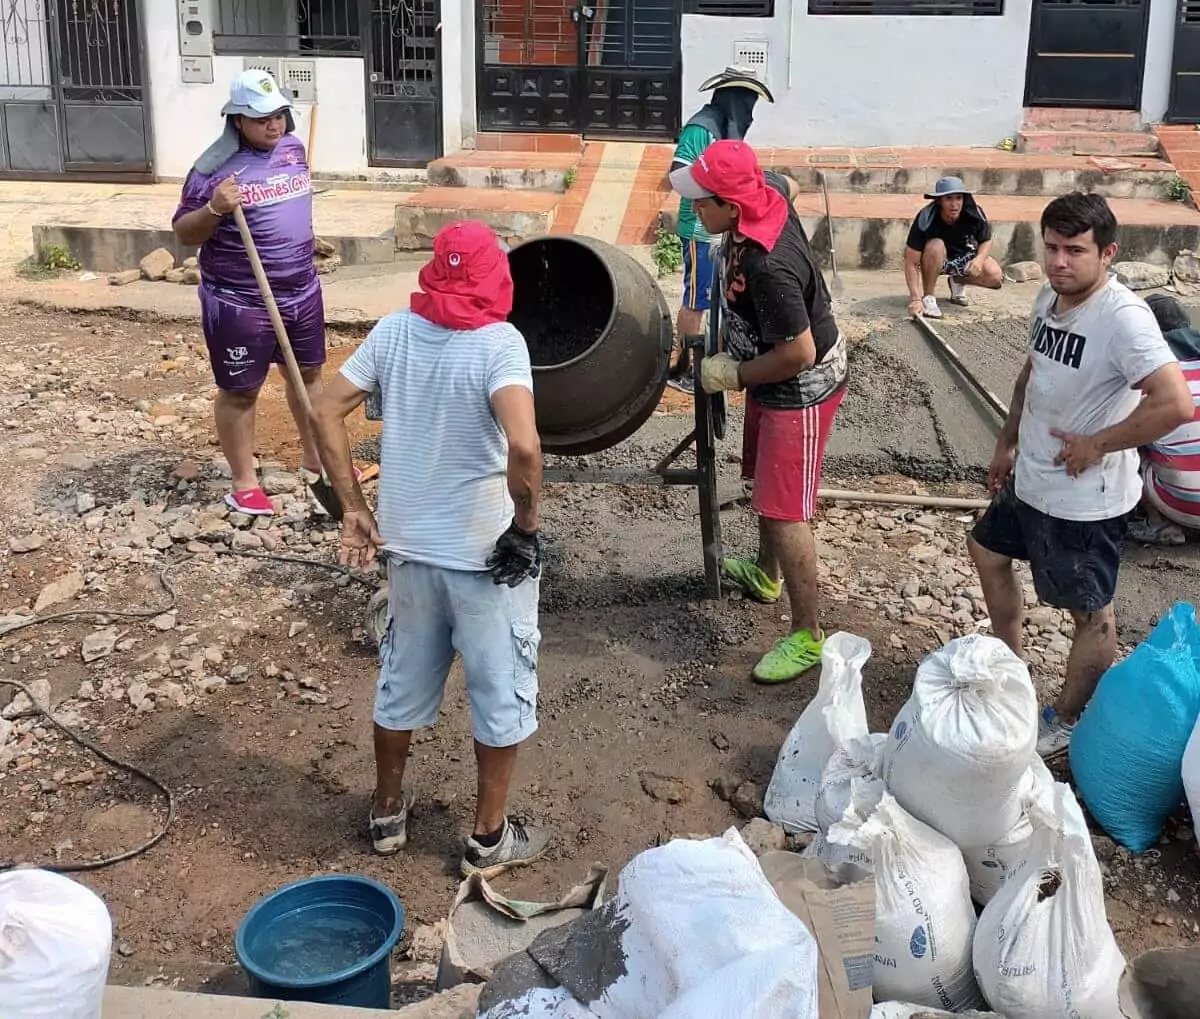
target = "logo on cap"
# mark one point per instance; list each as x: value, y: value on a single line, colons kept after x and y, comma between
x: 266, y: 84
x: 455, y: 259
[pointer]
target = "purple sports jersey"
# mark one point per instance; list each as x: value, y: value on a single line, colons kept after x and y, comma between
x: 277, y: 199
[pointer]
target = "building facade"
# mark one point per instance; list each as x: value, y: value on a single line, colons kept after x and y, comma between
x: 131, y: 89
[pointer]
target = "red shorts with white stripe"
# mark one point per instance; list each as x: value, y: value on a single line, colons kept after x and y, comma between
x: 782, y: 452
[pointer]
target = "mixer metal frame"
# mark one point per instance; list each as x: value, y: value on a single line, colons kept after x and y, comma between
x: 709, y: 416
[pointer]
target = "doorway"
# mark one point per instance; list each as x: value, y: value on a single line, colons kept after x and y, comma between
x: 404, y: 93
x: 72, y: 95
x: 605, y: 69
x: 1184, y: 104
x: 1087, y: 53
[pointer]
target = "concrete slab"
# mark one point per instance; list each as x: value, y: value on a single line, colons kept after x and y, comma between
x: 153, y: 1003
x: 514, y: 215
x: 525, y: 171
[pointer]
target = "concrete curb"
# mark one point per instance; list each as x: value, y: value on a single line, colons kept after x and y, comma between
x: 153, y: 1003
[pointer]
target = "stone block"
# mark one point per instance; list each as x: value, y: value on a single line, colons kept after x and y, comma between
x: 157, y: 264
x: 1141, y: 275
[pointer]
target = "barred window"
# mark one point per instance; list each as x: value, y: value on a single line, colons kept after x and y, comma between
x: 287, y: 26
x: 931, y: 8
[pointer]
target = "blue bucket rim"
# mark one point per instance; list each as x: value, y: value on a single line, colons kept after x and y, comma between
x: 291, y: 983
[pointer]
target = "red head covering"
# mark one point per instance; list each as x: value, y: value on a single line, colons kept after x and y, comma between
x: 467, y: 284
x: 729, y: 170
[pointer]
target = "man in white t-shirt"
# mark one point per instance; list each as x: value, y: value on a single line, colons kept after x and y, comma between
x: 460, y: 479
x: 1099, y: 381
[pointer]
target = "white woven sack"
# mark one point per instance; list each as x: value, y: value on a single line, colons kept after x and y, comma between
x: 834, y: 716
x: 989, y: 866
x: 959, y: 747
x: 55, y: 941
x: 1043, y: 946
x: 924, y: 920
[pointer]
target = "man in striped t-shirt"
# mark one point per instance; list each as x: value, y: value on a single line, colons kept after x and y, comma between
x: 460, y: 477
x: 1171, y: 466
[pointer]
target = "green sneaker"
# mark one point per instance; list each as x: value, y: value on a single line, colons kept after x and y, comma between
x: 792, y: 656
x: 747, y: 574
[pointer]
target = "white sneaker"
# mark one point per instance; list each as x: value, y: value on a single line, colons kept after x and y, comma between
x: 929, y: 307
x: 958, y: 292
x: 1054, y: 735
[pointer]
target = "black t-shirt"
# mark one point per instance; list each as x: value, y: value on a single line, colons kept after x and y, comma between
x: 962, y: 237
x: 774, y: 296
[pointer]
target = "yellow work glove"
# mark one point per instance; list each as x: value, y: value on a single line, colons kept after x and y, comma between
x: 719, y: 372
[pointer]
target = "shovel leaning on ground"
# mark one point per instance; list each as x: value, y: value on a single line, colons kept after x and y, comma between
x: 322, y: 490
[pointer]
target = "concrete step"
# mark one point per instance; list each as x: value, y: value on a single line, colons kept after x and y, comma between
x: 508, y: 171
x: 871, y: 230
x: 1088, y: 143
x: 1078, y: 118
x: 1001, y: 173
x: 514, y: 215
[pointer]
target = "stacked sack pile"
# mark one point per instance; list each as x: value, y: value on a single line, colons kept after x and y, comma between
x: 950, y: 810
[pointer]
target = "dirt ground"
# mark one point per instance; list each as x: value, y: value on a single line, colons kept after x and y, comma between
x: 271, y: 767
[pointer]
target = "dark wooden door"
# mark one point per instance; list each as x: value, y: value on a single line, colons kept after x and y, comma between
x: 1087, y: 53
x: 605, y: 68
x: 1184, y: 106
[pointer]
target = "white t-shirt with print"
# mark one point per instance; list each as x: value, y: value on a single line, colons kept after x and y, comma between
x: 443, y: 464
x: 1085, y: 364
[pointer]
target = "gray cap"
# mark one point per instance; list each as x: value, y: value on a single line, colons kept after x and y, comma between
x: 947, y: 186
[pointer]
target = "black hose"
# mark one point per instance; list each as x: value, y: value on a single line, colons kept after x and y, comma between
x: 133, y: 769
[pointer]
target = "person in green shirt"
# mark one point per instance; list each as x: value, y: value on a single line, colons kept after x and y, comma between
x: 727, y: 117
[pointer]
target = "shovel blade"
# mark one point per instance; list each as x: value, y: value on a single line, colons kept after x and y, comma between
x: 324, y: 494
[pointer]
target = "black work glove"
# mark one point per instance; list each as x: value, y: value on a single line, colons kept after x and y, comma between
x: 517, y: 557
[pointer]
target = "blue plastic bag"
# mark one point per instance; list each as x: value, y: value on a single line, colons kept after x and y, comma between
x: 1127, y: 748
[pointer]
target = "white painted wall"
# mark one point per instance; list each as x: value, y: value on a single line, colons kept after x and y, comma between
x: 894, y: 80
x: 1160, y: 45
x: 873, y: 80
x: 186, y: 118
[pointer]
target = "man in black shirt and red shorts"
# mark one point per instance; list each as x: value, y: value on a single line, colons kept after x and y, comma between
x: 780, y: 342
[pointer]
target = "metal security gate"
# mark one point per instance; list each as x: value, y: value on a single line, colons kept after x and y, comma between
x: 404, y: 105
x: 1087, y: 53
x: 72, y: 101
x: 1184, y: 106
x: 611, y: 68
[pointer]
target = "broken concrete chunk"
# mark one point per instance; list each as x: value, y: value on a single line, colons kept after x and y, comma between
x: 61, y: 590
x: 99, y: 644
x: 26, y: 543
x: 191, y: 277
x: 191, y: 262
x: 175, y: 275
x: 1187, y: 267
x: 1023, y: 272
x: 664, y: 787
x: 761, y: 836
x: 120, y: 279
x: 157, y: 264
x: 1141, y: 275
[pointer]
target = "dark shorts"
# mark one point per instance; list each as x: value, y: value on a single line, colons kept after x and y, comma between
x: 957, y: 267
x: 241, y: 340
x: 697, y: 274
x: 1074, y: 562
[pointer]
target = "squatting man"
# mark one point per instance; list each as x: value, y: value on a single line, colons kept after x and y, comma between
x: 1099, y: 381
x: 950, y: 237
x: 459, y: 494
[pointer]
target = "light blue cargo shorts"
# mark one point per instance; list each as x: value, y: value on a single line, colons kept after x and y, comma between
x: 436, y: 612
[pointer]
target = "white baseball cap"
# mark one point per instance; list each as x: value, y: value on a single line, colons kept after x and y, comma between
x: 255, y: 94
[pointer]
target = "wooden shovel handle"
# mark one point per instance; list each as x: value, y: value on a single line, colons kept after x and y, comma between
x: 264, y: 288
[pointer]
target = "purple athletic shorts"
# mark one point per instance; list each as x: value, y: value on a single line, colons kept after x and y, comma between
x: 241, y: 340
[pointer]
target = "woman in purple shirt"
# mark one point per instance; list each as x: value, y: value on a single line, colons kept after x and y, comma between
x: 259, y: 164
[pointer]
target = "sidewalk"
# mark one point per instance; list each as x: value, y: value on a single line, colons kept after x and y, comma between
x: 155, y: 1003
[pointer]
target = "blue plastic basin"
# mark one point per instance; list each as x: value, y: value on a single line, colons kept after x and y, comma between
x: 323, y: 939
